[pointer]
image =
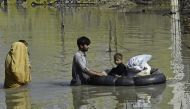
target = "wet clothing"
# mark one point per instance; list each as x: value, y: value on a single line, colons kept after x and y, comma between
x: 79, y: 69
x: 17, y: 66
x: 120, y: 70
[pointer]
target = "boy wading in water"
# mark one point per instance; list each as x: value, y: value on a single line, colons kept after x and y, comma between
x: 81, y: 74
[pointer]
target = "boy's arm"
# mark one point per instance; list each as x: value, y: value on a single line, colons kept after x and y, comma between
x: 85, y: 68
x: 92, y: 72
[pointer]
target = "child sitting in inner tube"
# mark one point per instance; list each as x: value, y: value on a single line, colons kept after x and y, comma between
x: 136, y: 66
x: 120, y: 69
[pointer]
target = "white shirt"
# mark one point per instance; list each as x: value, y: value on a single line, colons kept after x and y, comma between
x: 79, y: 68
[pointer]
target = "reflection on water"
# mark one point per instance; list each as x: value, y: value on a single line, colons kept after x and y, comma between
x: 123, y: 97
x: 143, y: 101
x: 3, y: 8
x: 17, y: 99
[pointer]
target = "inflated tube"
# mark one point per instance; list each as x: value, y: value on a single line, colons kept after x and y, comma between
x: 124, y: 81
x: 103, y: 80
x: 155, y: 78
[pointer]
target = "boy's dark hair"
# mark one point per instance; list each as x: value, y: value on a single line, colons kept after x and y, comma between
x: 83, y: 40
x: 118, y: 56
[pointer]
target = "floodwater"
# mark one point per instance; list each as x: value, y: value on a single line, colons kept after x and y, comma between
x: 52, y: 46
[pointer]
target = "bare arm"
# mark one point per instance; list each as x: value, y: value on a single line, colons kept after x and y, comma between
x: 96, y: 73
x: 81, y: 61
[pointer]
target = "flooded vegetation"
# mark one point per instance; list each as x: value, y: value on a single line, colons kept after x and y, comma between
x: 52, y: 33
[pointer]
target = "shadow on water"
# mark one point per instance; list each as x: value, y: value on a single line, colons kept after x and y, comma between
x: 129, y: 96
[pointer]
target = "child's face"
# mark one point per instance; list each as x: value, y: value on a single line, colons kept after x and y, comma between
x: 117, y: 61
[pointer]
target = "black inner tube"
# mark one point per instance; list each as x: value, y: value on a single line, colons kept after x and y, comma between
x: 156, y: 77
x: 103, y: 80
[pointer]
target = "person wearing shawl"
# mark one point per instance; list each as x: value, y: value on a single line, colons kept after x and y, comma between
x: 17, y: 65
